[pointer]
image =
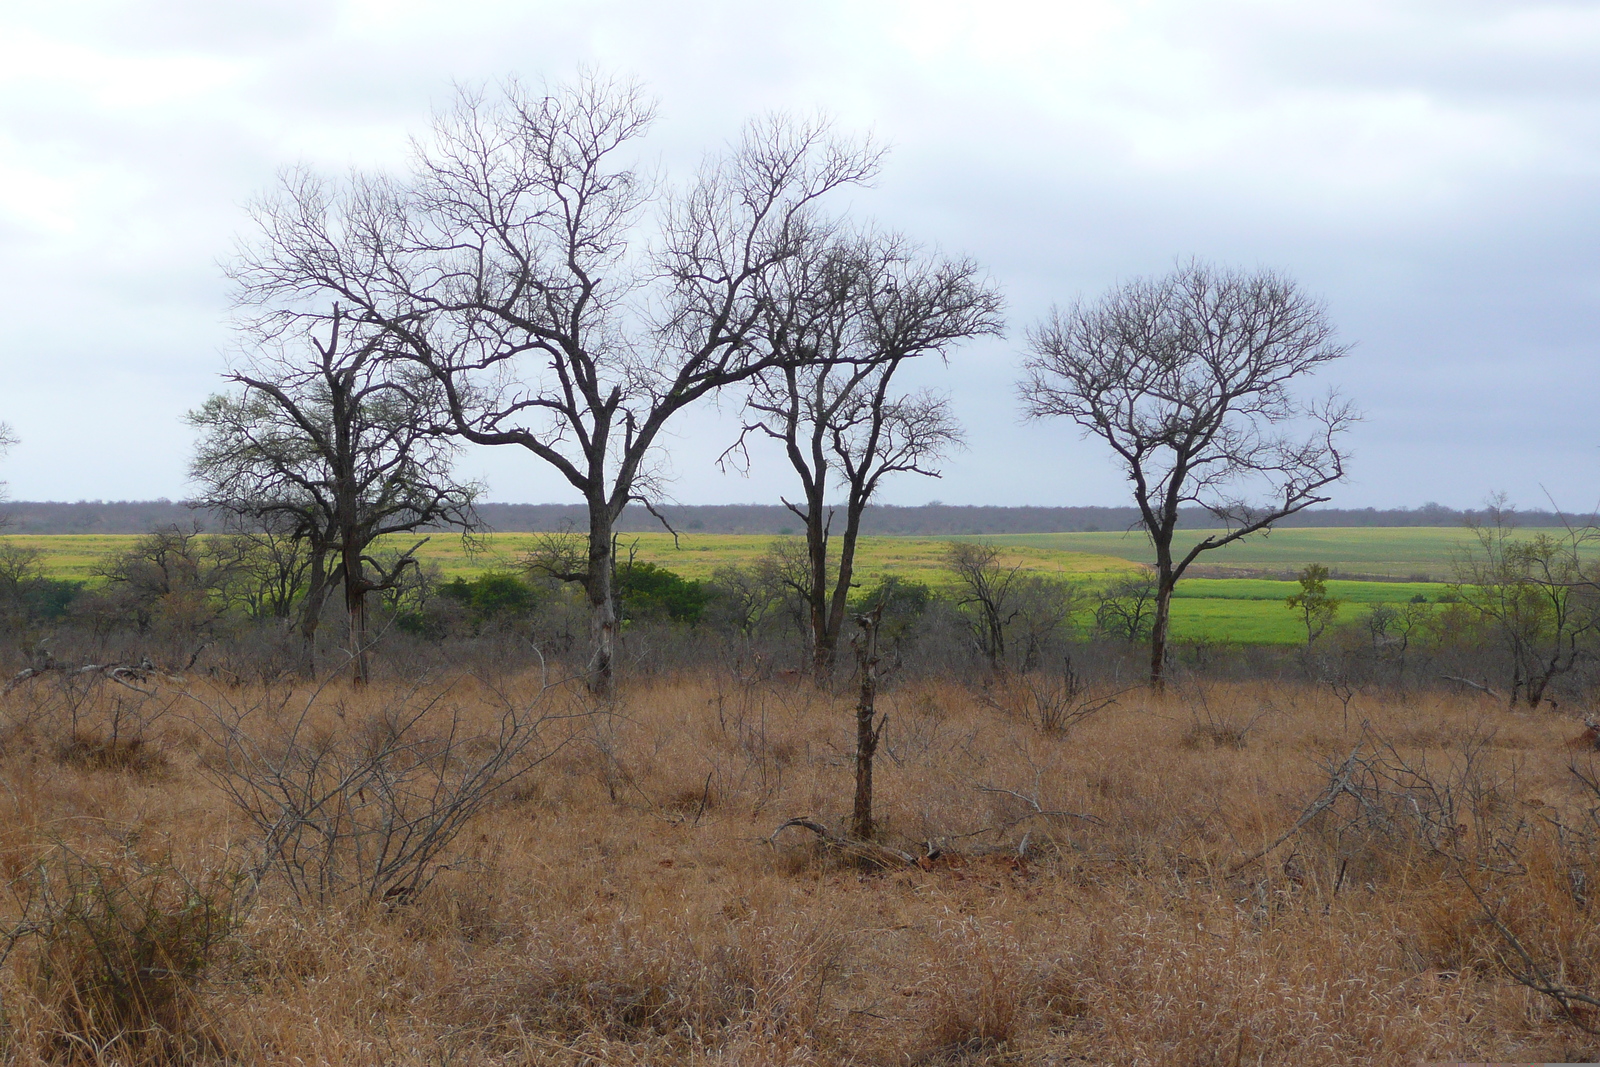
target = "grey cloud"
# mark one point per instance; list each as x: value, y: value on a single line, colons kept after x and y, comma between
x: 1427, y: 168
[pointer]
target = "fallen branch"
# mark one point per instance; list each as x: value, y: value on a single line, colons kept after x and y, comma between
x: 125, y: 674
x: 1336, y: 788
x: 1532, y: 975
x: 1038, y: 810
x: 1479, y: 686
x: 870, y: 851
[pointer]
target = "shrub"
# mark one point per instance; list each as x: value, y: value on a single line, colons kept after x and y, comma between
x: 114, y: 953
x: 371, y: 811
x: 491, y: 596
x: 648, y: 590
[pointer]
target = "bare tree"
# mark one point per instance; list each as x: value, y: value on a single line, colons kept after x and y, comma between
x: 274, y: 569
x: 846, y: 320
x: 169, y: 582
x: 1187, y: 377
x: 1536, y: 596
x: 8, y: 438
x: 329, y: 441
x: 1123, y: 608
x: 515, y: 267
x: 985, y: 587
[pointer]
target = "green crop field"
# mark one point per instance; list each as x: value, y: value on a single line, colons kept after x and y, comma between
x: 1223, y: 609
x: 1422, y: 553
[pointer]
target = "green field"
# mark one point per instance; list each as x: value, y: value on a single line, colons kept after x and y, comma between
x: 1421, y: 553
x: 1225, y: 609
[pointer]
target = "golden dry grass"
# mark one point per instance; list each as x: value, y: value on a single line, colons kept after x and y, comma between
x: 622, y: 904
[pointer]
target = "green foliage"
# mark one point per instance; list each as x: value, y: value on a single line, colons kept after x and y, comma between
x: 1315, y: 607
x: 26, y: 595
x: 491, y: 595
x: 49, y: 599
x: 645, y: 589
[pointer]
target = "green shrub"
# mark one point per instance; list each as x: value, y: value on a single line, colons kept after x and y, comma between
x: 645, y: 590
x: 492, y: 595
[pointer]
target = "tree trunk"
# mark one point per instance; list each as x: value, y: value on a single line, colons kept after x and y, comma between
x: 602, y: 602
x: 822, y: 638
x: 841, y: 588
x: 1158, y: 633
x: 356, y: 601
x: 867, y: 729
x: 997, y: 638
x: 311, y: 615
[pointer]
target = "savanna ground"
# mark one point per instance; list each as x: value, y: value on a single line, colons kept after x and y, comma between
x: 1095, y: 892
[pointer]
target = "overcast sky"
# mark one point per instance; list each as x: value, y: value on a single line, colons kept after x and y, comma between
x: 1429, y: 169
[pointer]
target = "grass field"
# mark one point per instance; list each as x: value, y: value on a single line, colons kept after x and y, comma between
x: 1105, y: 897
x: 1422, y: 553
x: 1223, y: 609
x: 74, y: 556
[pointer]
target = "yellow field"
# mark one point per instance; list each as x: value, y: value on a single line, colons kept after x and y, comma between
x: 73, y: 556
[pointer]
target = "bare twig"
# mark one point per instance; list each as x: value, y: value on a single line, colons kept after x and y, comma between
x: 1336, y: 788
x: 870, y: 851
x: 1038, y: 812
x: 1479, y: 686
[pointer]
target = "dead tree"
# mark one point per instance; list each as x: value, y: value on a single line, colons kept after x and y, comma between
x: 330, y: 439
x: 846, y: 320
x: 515, y: 267
x: 869, y: 727
x: 1187, y: 378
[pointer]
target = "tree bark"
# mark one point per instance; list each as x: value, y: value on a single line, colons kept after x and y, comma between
x: 355, y: 599
x: 823, y: 638
x: 602, y: 600
x: 868, y: 727
x: 841, y: 588
x: 311, y: 614
x: 1166, y: 581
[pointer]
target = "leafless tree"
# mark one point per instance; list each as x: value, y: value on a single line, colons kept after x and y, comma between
x: 1536, y: 596
x: 986, y: 588
x: 330, y: 441
x: 274, y: 569
x: 846, y: 320
x: 1187, y: 377
x: 8, y: 438
x: 516, y: 267
x: 1123, y: 608
x: 169, y: 582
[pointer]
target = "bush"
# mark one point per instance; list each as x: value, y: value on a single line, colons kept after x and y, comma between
x: 372, y: 811
x: 491, y: 596
x: 646, y: 590
x: 904, y: 603
x: 114, y: 953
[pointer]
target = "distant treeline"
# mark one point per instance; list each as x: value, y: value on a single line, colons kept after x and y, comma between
x: 928, y: 520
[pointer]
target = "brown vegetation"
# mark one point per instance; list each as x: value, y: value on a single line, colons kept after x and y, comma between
x: 1123, y: 889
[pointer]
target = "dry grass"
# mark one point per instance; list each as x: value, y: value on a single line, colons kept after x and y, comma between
x: 621, y: 904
